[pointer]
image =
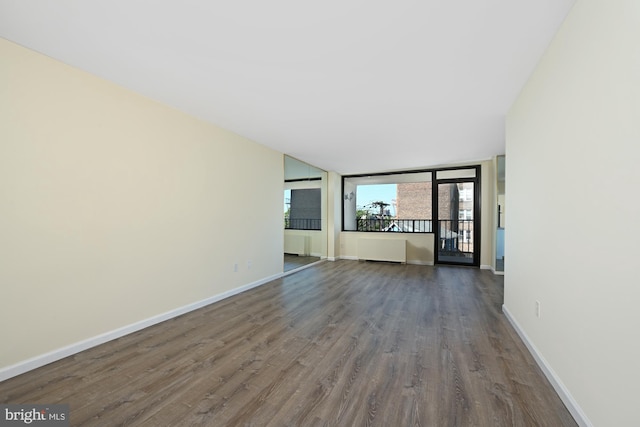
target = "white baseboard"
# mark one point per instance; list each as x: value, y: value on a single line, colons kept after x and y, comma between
x: 493, y: 270
x: 61, y: 353
x: 573, y: 407
x: 419, y: 262
x: 302, y: 267
x: 409, y: 261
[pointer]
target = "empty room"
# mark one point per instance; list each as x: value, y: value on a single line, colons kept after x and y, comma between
x: 329, y: 214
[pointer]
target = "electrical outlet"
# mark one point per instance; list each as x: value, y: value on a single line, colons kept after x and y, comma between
x: 235, y: 267
x: 537, y: 308
x: 249, y: 265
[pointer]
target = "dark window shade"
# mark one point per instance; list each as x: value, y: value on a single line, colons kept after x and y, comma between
x: 305, y: 213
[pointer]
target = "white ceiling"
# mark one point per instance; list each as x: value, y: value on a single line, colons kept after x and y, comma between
x: 352, y: 86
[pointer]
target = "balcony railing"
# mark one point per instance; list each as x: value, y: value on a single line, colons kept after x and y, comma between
x: 395, y: 225
x: 456, y: 236
x: 302, y: 224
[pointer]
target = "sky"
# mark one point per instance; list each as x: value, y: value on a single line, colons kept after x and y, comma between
x: 366, y: 194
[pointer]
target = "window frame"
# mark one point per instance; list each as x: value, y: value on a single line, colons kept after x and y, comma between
x: 475, y: 169
x: 397, y: 173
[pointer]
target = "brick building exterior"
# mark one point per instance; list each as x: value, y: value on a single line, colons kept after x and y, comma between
x: 413, y: 200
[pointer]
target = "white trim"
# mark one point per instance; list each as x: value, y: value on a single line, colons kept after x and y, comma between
x: 332, y: 258
x: 419, y: 262
x: 61, y: 353
x: 496, y: 272
x: 410, y: 261
x: 566, y: 397
x: 493, y: 270
x: 302, y: 267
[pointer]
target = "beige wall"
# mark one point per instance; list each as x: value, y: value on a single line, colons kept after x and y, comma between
x: 573, y: 146
x: 334, y: 203
x: 316, y: 241
x: 419, y: 245
x: 488, y: 208
x: 114, y: 208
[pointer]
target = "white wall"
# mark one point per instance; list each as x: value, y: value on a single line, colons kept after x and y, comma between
x: 115, y: 209
x: 573, y: 147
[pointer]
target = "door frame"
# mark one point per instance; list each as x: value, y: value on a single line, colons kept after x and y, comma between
x: 477, y: 209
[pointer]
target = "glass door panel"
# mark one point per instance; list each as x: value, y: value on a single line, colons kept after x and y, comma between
x: 456, y: 231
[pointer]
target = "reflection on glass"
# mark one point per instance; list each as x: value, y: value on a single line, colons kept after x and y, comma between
x: 305, y: 219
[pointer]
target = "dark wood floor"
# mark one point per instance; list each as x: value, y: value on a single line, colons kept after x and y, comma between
x: 342, y: 343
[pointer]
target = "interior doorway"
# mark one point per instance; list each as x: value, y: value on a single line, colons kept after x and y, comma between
x: 500, y: 230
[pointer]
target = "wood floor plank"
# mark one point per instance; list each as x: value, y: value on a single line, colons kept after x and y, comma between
x: 340, y: 343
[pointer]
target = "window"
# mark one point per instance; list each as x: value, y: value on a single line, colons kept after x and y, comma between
x: 466, y: 194
x: 465, y: 214
x: 388, y: 203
